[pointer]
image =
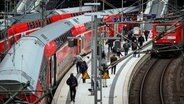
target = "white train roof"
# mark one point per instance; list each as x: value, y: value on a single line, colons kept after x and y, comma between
x: 19, y: 65
x: 35, y: 16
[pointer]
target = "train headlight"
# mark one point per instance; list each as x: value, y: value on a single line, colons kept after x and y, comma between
x: 155, y: 41
x: 174, y: 41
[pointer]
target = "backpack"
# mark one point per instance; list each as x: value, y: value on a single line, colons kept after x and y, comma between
x: 73, y: 83
x: 83, y: 66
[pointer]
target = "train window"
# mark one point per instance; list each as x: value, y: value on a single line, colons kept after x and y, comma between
x: 62, y: 39
x: 48, y: 21
x: 88, y: 26
x: 74, y: 14
x: 170, y: 28
x: 39, y: 22
x: 36, y: 23
x: 30, y: 25
x: 33, y: 24
x: 165, y: 29
x: 160, y: 28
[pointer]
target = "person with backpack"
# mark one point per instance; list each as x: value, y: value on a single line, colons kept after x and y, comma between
x: 72, y: 83
x: 83, y: 70
x: 77, y: 60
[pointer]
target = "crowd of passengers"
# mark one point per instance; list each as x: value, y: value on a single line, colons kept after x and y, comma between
x: 129, y: 40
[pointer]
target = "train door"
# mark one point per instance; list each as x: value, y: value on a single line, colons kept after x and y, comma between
x: 80, y: 44
x: 53, y: 70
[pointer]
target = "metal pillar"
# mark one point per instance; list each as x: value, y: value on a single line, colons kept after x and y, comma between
x: 43, y: 6
x: 122, y: 7
x: 80, y: 6
x: 95, y: 65
x: 94, y: 60
x: 103, y: 5
x: 6, y: 23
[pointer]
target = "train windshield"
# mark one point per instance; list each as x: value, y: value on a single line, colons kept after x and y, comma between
x: 165, y: 29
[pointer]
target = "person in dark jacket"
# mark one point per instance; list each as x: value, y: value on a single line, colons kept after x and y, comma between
x: 110, y: 43
x: 146, y: 33
x: 112, y: 60
x: 126, y: 47
x: 77, y: 60
x: 103, y: 55
x: 141, y: 40
x: 134, y: 45
x: 83, y: 70
x: 72, y: 83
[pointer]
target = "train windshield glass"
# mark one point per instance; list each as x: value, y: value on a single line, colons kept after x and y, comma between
x: 165, y: 29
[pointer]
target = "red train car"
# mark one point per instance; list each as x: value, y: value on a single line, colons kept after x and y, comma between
x: 168, y: 36
x: 16, y: 31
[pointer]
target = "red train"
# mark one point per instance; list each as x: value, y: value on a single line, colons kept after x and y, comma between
x: 36, y: 63
x: 16, y: 31
x: 168, y: 36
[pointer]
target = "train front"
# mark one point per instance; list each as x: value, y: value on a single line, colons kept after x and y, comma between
x: 19, y: 72
x: 170, y: 37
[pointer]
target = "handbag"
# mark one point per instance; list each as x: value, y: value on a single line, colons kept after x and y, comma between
x: 85, y: 75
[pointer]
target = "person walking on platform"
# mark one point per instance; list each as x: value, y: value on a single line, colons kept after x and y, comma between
x: 134, y: 45
x: 83, y: 70
x: 72, y: 83
x: 110, y: 43
x: 103, y: 55
x: 146, y: 33
x: 77, y: 60
x: 141, y: 40
x: 105, y: 75
x: 126, y: 47
x: 112, y: 60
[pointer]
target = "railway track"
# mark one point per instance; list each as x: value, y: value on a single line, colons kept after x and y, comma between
x: 158, y: 81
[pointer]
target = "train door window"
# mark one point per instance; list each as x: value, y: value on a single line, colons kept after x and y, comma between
x: 53, y: 70
x: 43, y: 72
x: 82, y: 42
x: 79, y: 46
